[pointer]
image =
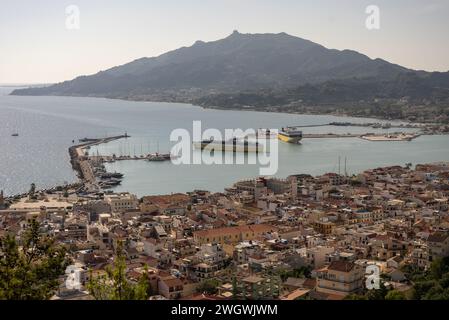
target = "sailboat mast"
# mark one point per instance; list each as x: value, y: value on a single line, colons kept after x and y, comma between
x: 339, y: 160
x: 346, y: 172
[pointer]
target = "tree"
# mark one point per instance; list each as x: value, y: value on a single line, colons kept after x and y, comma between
x: 208, y: 286
x: 235, y: 289
x: 30, y: 270
x: 143, y: 290
x: 434, y: 283
x: 32, y: 189
x: 301, y: 272
x: 377, y: 294
x: 439, y: 267
x: 115, y: 286
x: 437, y: 292
x: 421, y: 288
x: 32, y: 192
x: 395, y: 295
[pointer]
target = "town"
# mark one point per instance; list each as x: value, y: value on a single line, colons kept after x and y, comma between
x: 302, y: 237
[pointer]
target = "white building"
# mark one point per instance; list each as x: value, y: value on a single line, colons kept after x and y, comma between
x: 121, y: 202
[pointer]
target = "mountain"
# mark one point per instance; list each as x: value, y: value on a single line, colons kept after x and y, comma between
x: 236, y: 63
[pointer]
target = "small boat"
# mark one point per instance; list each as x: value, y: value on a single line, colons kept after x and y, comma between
x: 15, y: 135
x: 158, y: 157
x: 113, y: 182
x: 107, y: 175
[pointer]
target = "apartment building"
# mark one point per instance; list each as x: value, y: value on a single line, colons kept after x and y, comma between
x: 232, y: 234
x: 122, y: 202
x: 340, y: 278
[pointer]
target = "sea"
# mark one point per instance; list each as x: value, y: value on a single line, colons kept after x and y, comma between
x: 48, y: 126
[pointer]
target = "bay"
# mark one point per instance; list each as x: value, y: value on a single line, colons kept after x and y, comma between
x: 47, y: 126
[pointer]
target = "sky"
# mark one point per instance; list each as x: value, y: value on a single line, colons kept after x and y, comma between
x: 38, y: 46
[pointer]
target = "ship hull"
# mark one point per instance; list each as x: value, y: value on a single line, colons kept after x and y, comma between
x: 289, y: 139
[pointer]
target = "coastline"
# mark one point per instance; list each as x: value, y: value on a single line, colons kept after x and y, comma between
x: 72, y: 149
x: 252, y: 109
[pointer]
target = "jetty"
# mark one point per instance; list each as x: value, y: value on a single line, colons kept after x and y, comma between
x: 397, y: 136
x: 91, y: 170
x: 330, y: 135
x: 390, y: 137
x: 374, y: 125
x: 148, y: 157
x: 83, y: 165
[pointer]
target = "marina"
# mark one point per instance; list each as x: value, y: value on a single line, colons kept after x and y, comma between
x: 90, y: 168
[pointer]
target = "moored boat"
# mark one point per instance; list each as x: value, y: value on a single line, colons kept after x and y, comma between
x: 159, y: 157
x: 290, y: 135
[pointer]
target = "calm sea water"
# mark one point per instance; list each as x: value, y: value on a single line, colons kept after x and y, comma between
x: 47, y: 126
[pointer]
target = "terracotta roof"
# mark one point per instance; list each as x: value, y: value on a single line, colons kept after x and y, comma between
x: 257, y: 228
x: 165, y: 201
x: 342, y: 266
x: 172, y: 281
x: 438, y: 236
x: 309, y: 283
x: 294, y: 282
x: 295, y: 294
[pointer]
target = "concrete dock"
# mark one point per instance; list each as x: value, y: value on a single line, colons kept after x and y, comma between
x: 82, y: 164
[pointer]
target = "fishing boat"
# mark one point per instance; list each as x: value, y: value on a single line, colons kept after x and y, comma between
x: 159, y: 157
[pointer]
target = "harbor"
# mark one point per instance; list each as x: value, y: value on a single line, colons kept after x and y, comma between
x: 91, y: 170
x: 149, y: 123
x: 83, y: 165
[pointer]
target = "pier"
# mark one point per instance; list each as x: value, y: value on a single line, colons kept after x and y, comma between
x: 374, y: 125
x: 330, y: 135
x: 148, y: 157
x: 83, y: 165
x: 391, y: 137
x: 396, y: 136
x: 91, y: 170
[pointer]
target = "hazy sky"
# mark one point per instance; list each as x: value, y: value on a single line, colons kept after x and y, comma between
x: 36, y: 46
